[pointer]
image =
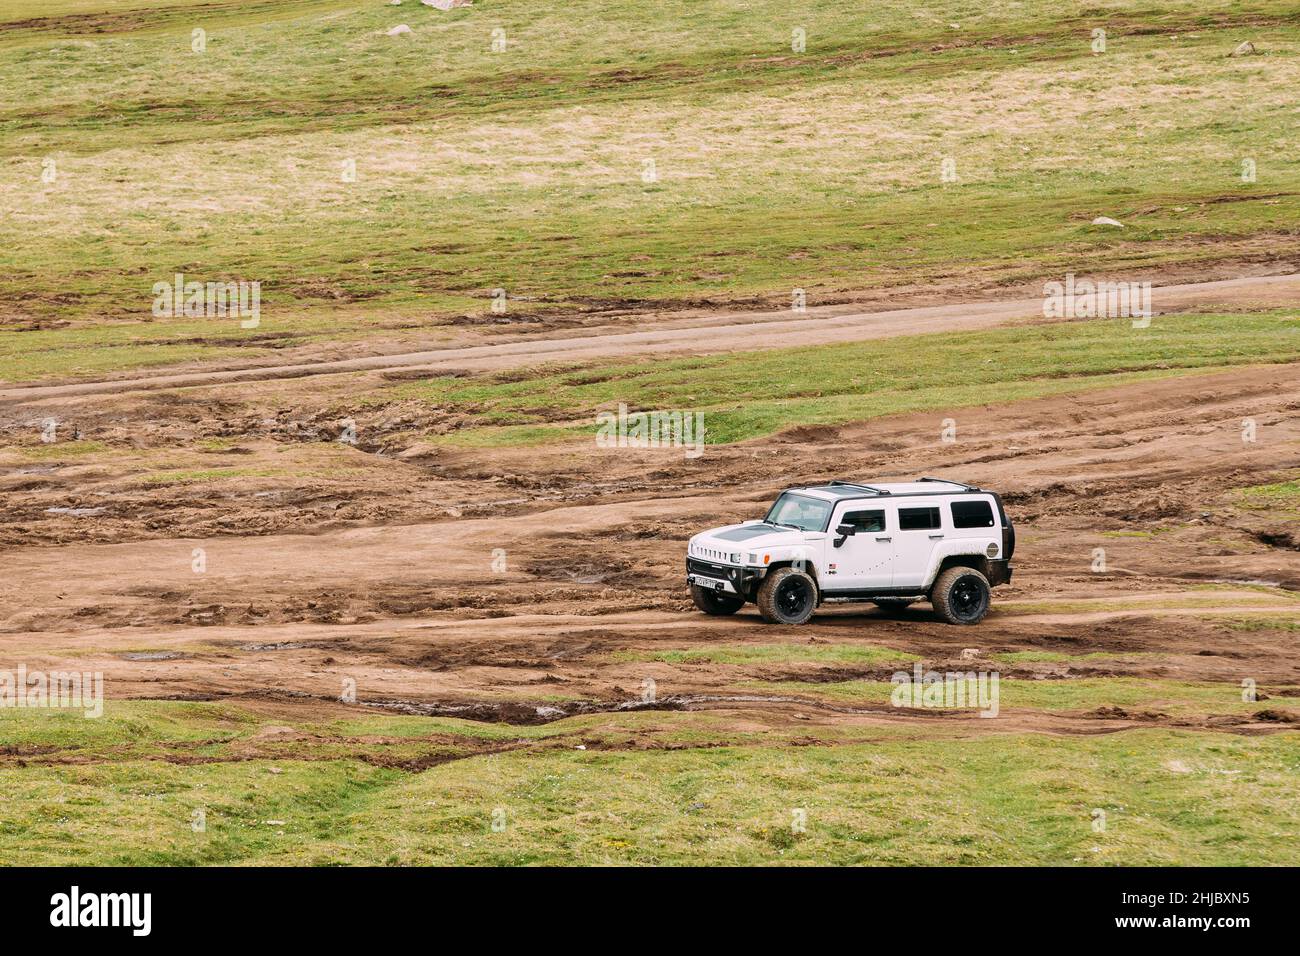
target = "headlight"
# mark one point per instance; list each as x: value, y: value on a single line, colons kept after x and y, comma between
x: 735, y: 557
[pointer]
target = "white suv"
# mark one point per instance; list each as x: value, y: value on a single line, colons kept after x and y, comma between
x: 889, y: 543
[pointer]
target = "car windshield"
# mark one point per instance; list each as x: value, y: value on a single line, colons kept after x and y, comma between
x: 799, y: 511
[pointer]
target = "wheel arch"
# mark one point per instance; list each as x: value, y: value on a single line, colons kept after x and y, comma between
x: 808, y: 567
x: 977, y: 562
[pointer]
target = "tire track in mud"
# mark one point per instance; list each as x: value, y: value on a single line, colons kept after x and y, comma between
x: 823, y: 325
x: 1133, y: 458
x: 448, y: 748
x: 1115, y: 718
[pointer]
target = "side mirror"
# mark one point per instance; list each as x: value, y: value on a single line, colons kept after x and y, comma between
x: 844, y: 531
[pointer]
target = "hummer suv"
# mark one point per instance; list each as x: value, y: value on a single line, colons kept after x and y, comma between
x: 890, y: 543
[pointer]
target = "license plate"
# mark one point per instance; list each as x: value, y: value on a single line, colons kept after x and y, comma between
x: 706, y: 582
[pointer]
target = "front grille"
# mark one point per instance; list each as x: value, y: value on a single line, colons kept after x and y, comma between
x: 713, y: 553
x: 704, y: 567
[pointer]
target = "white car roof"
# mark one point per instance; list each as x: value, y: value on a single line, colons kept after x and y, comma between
x: 861, y: 489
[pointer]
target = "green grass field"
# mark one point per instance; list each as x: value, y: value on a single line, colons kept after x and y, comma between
x: 1169, y: 797
x: 746, y: 394
x: 523, y: 169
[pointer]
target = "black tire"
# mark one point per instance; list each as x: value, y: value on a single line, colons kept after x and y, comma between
x: 961, y: 596
x: 787, y: 596
x: 713, y: 602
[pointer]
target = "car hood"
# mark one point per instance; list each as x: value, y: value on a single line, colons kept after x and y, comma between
x: 733, y: 538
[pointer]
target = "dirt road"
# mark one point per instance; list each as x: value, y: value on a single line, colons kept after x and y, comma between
x: 693, y: 335
x: 527, y: 585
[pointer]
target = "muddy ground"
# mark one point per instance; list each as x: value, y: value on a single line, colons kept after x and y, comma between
x: 527, y: 585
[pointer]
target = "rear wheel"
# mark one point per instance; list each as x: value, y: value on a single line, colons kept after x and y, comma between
x: 961, y: 596
x: 787, y: 596
x: 715, y: 602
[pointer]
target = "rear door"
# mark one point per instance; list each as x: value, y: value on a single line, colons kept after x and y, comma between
x: 865, y: 559
x: 920, y: 529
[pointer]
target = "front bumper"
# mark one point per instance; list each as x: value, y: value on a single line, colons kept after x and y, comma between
x: 724, y: 578
x: 712, y: 584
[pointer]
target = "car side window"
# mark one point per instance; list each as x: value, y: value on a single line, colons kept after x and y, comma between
x: 865, y: 520
x: 972, y: 514
x: 918, y: 519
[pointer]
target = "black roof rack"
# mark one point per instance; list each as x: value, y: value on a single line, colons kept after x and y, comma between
x: 949, y: 481
x: 854, y: 484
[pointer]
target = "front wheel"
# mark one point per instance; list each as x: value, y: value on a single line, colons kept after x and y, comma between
x: 714, y: 602
x: 961, y: 596
x: 787, y: 596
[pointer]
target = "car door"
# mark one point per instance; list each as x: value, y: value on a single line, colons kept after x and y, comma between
x: 919, y: 530
x: 864, y: 560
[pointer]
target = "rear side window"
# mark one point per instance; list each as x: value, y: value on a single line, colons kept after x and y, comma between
x: 972, y: 514
x: 917, y: 519
x: 865, y: 520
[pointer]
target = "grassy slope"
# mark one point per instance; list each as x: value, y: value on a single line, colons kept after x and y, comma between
x: 753, y: 393
x: 748, y: 394
x: 523, y: 169
x: 1170, y: 797
x: 1174, y: 698
x: 1281, y: 498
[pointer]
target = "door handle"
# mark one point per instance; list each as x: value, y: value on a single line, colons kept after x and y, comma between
x: 886, y: 538
x: 936, y: 536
